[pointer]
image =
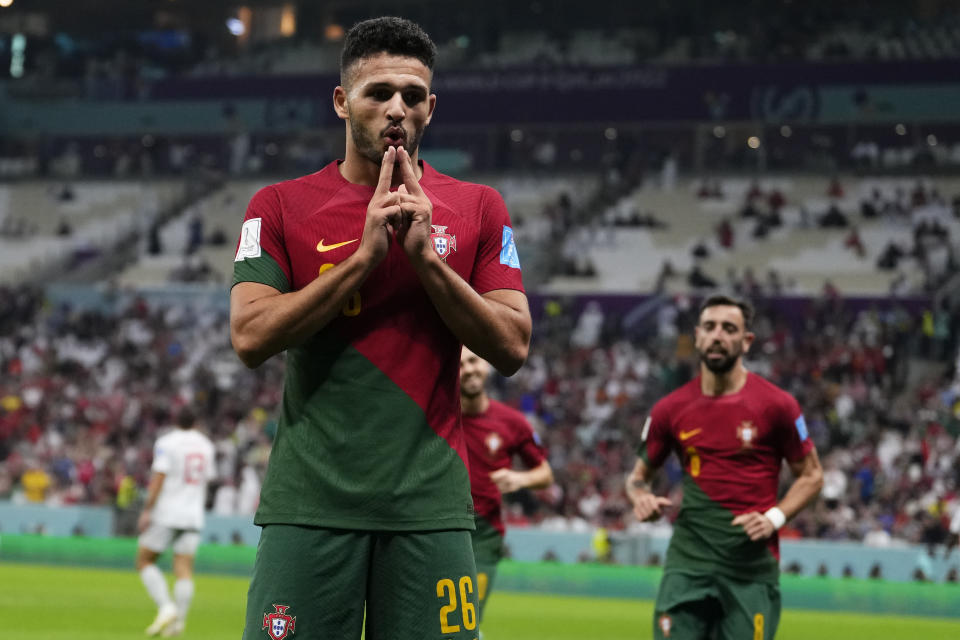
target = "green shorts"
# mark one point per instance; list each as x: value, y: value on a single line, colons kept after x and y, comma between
x: 310, y: 582
x: 693, y: 606
x: 487, y: 551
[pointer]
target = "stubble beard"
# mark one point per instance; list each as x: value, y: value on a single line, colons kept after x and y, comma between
x: 722, y: 366
x: 370, y: 147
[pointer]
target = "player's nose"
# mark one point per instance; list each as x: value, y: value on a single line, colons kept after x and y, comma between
x: 395, y: 108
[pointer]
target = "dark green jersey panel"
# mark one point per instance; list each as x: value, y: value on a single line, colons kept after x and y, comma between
x: 354, y: 451
x: 705, y: 541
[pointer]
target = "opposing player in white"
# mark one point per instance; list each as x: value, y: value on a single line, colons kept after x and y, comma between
x: 183, y: 464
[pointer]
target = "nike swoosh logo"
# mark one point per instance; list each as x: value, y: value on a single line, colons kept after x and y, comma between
x: 322, y: 248
x: 689, y: 434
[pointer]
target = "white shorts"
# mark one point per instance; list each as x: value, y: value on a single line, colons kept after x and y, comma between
x: 158, y: 537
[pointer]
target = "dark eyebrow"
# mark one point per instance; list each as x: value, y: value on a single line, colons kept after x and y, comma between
x: 391, y: 87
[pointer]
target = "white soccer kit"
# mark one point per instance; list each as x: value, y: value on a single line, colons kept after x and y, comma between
x: 186, y: 458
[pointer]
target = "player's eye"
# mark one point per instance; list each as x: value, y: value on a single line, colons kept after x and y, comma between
x: 412, y: 98
x: 381, y: 95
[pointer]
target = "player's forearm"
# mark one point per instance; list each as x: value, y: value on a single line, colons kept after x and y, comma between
x: 803, y: 491
x: 540, y: 477
x: 495, y: 331
x: 267, y: 325
x: 153, y: 490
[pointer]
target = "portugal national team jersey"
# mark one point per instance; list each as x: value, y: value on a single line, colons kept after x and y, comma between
x: 369, y: 433
x: 493, y: 438
x: 186, y: 458
x: 731, y: 448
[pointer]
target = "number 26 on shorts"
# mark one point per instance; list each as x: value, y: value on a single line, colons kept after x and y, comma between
x: 447, y: 591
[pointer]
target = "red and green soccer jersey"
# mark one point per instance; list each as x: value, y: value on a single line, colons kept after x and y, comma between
x: 731, y: 448
x: 369, y: 432
x: 493, y: 438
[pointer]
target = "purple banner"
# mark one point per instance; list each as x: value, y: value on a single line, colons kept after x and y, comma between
x: 789, y: 92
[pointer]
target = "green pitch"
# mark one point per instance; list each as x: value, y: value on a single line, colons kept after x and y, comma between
x: 60, y: 603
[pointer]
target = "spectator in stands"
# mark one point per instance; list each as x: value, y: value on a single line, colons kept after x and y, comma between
x: 855, y: 243
x: 833, y: 218
x: 698, y: 280
x: 725, y: 235
x: 835, y: 189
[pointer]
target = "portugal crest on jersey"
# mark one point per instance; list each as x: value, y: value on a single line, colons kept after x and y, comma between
x: 746, y: 432
x: 443, y: 243
x: 278, y: 624
x: 493, y: 442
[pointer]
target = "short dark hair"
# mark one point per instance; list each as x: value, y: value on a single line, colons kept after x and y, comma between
x: 186, y: 418
x: 721, y: 300
x: 389, y: 34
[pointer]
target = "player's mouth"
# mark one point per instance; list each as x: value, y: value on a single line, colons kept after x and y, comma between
x: 395, y: 136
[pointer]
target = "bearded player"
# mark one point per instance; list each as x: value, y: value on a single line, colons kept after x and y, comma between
x: 370, y: 274
x: 495, y: 433
x: 731, y: 429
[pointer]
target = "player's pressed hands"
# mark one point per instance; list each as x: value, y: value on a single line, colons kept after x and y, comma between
x: 383, y: 213
x: 417, y: 212
x: 756, y: 525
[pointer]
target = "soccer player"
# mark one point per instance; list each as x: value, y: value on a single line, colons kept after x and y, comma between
x: 495, y: 433
x: 183, y: 464
x: 730, y: 428
x: 370, y: 273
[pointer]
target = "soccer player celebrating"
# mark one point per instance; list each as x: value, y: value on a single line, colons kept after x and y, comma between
x: 370, y: 273
x: 730, y: 429
x: 495, y: 433
x: 183, y: 464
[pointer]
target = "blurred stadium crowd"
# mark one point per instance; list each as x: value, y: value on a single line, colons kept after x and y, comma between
x: 84, y: 395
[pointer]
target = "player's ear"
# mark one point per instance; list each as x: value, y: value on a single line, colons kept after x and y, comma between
x: 748, y: 338
x: 432, y: 104
x: 340, y: 102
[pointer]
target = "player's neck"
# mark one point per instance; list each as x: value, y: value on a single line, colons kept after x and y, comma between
x: 359, y: 169
x: 722, y: 384
x: 475, y: 405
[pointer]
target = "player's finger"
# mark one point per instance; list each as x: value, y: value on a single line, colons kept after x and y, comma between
x: 664, y: 502
x: 740, y: 520
x: 408, y: 174
x: 386, y: 171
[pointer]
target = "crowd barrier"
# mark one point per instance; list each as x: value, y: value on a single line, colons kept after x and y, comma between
x: 528, y: 544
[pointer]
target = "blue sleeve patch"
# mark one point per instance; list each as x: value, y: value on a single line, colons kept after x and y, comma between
x: 508, y: 249
x: 802, y: 428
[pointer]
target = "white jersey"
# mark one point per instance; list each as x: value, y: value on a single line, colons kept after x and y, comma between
x: 186, y: 458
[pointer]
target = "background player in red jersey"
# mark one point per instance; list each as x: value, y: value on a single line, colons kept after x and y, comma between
x: 370, y: 273
x: 495, y: 433
x: 731, y: 429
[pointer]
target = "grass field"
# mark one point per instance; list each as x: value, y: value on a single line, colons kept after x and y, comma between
x: 58, y: 603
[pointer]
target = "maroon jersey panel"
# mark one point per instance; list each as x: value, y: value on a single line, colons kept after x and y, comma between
x: 494, y: 437
x: 312, y: 223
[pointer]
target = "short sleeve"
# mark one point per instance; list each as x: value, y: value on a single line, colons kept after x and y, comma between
x: 161, y: 458
x: 497, y: 265
x: 795, y: 439
x: 656, y: 439
x: 261, y: 252
x: 528, y: 446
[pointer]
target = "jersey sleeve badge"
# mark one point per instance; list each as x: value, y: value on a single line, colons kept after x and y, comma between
x: 249, y: 240
x: 508, y: 249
